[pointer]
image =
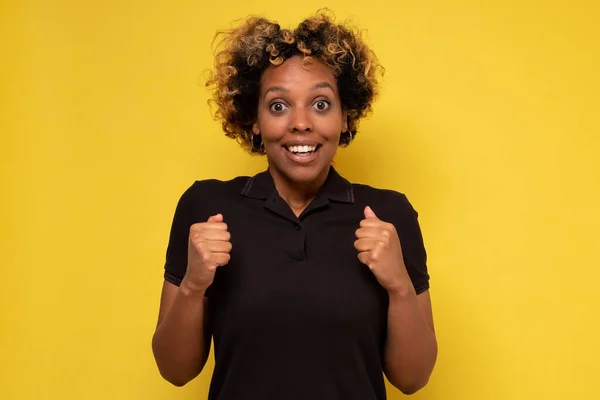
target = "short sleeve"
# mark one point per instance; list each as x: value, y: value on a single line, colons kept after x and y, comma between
x: 176, y: 255
x: 413, y: 247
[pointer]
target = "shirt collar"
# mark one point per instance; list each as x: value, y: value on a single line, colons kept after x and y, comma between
x: 336, y: 187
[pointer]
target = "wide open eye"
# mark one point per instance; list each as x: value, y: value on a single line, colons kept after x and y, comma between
x: 322, y: 105
x: 278, y: 107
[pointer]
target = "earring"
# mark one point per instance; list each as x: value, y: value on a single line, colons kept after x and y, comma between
x: 257, y: 146
x: 347, y: 142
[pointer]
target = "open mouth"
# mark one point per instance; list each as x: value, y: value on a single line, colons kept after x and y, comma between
x: 302, y: 150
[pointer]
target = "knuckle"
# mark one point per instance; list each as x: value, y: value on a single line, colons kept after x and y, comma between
x: 375, y: 254
x: 194, y: 228
x: 195, y: 237
x: 205, y: 257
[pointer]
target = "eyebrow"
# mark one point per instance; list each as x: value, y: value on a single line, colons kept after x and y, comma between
x: 320, y: 85
x: 276, y: 89
x: 323, y: 85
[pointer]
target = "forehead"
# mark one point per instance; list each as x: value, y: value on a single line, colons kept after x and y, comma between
x: 297, y: 73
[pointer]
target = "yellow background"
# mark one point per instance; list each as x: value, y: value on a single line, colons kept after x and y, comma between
x: 488, y: 121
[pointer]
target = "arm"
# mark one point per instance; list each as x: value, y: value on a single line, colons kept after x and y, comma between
x: 411, y: 346
x: 181, y: 342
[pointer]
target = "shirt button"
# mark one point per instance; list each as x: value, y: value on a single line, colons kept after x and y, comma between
x: 298, y: 227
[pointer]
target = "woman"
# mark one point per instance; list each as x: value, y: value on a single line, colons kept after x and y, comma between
x: 311, y: 287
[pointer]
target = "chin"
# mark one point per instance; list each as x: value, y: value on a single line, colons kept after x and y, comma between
x: 305, y: 174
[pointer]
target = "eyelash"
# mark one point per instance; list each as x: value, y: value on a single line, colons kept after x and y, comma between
x: 316, y: 102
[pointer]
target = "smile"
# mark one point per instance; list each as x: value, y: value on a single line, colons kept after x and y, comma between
x: 302, y: 154
x: 301, y: 150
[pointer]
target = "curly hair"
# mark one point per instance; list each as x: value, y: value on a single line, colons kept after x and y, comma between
x: 244, y: 52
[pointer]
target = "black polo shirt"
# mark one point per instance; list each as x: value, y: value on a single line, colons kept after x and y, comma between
x: 295, y: 314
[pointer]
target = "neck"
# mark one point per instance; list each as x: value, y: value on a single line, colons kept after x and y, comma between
x: 297, y: 195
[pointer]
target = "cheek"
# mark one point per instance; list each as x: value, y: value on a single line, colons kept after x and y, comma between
x: 270, y: 127
x: 332, y: 127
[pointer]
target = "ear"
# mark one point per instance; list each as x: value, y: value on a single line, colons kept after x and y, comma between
x: 255, y: 128
x: 344, y: 121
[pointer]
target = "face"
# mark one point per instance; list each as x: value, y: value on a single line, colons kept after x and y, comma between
x: 300, y: 118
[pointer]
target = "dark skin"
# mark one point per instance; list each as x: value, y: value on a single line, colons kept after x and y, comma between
x: 299, y: 109
x: 299, y: 104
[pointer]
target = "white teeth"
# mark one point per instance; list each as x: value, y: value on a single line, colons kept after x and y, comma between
x: 301, y: 149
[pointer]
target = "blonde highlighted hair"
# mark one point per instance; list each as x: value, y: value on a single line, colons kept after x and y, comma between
x: 244, y: 52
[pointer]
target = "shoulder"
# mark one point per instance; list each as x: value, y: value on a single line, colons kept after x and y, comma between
x: 388, y: 203
x: 216, y: 188
x: 206, y: 194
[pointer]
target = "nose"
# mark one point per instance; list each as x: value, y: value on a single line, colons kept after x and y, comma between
x: 300, y: 121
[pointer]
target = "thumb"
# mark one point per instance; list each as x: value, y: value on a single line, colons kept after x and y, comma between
x: 369, y: 213
x: 215, y: 218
